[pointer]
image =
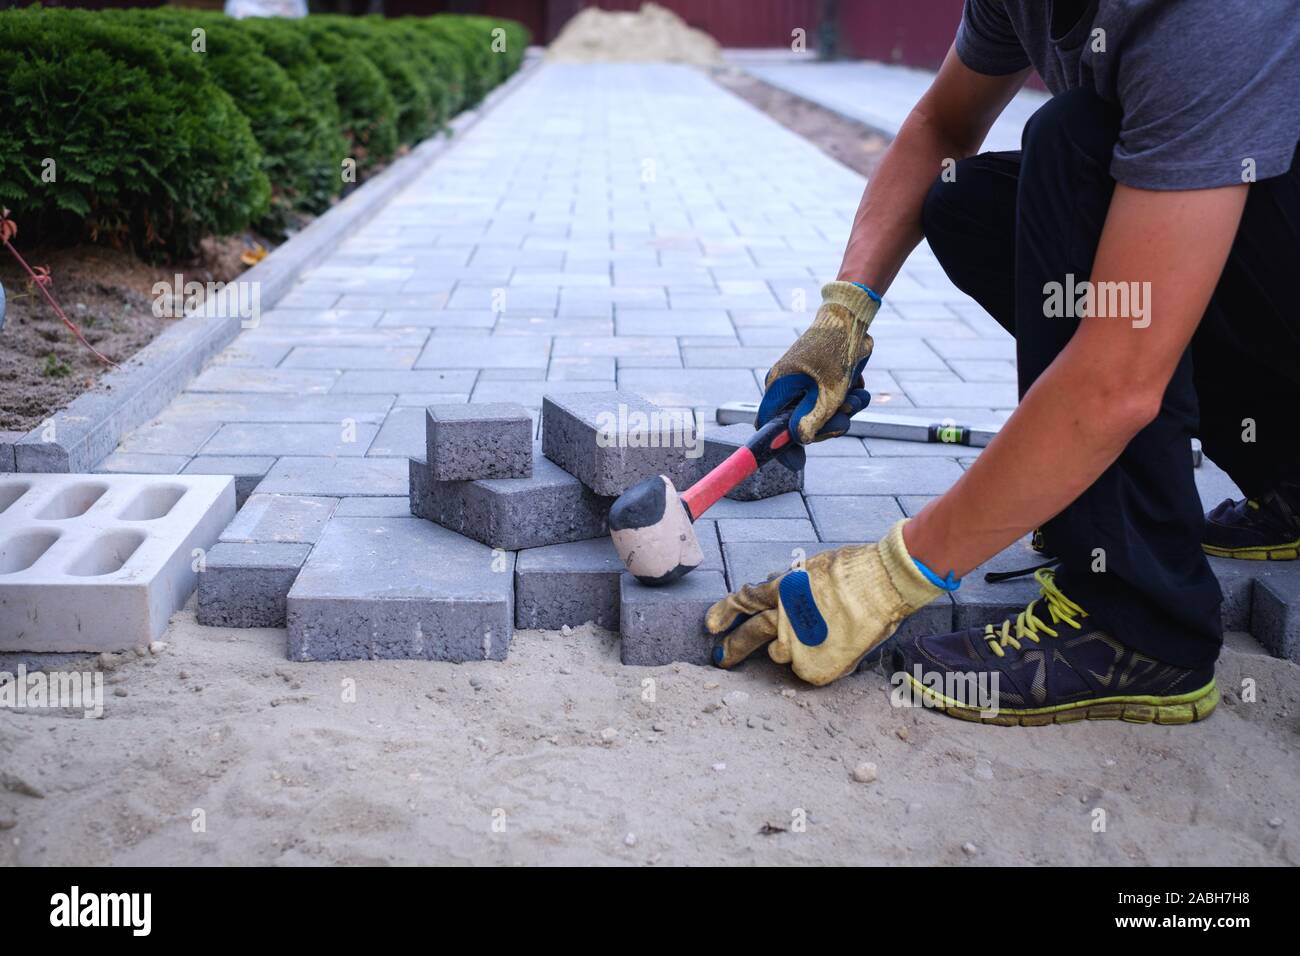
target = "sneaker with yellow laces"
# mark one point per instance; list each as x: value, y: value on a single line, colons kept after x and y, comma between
x: 1046, y: 665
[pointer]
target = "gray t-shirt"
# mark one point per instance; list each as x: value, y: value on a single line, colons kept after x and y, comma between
x: 1208, y: 90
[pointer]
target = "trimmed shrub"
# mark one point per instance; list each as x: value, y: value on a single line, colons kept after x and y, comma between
x: 288, y: 46
x: 147, y: 150
x: 293, y: 155
x: 367, y: 110
x: 401, y: 71
x: 119, y: 130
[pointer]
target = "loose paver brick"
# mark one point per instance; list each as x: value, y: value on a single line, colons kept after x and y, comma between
x: 400, y: 588
x: 666, y: 624
x: 570, y: 583
x: 245, y: 583
x: 466, y: 442
x: 612, y: 440
x: 1275, y: 608
x: 770, y: 480
x: 548, y: 507
x: 296, y: 519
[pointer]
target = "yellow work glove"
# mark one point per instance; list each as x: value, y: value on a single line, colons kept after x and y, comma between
x: 821, y: 374
x: 824, y: 617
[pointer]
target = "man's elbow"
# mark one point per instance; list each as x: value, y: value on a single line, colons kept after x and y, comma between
x: 1118, y: 411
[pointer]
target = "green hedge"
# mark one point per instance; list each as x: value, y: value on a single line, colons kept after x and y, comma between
x: 157, y: 145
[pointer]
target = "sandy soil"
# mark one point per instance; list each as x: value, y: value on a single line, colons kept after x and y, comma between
x: 108, y: 294
x: 560, y: 748
x: 856, y: 145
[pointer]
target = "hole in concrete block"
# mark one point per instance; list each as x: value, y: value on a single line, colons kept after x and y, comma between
x: 11, y: 492
x: 156, y: 501
x: 106, y: 554
x: 24, y: 549
x: 72, y: 501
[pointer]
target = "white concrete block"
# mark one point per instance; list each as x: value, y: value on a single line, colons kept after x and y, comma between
x: 101, y: 562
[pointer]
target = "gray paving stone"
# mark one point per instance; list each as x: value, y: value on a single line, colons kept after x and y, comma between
x: 733, y: 530
x: 296, y: 519
x: 1237, y: 582
x: 131, y: 463
x: 1275, y: 608
x: 770, y: 480
x: 674, y: 322
x: 789, y: 505
x: 404, y: 380
x: 879, y: 476
x: 245, y: 584
x: 365, y: 409
x: 337, y: 477
x: 345, y: 438
x: 619, y: 346
x: 247, y: 472
x: 400, y: 588
x: 499, y: 351
x: 549, y: 507
x: 896, y: 448
x: 402, y: 434
x: 8, y: 460
x: 281, y: 381
x: 530, y: 394
x: 569, y: 584
x: 341, y: 357
x: 612, y: 440
x: 169, y: 436
x: 373, y: 507
x: 853, y: 519
x: 666, y: 625
x: 675, y: 388
x: 978, y: 602
x: 466, y: 442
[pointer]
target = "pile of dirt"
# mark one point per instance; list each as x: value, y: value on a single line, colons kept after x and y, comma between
x: 108, y: 294
x: 652, y: 34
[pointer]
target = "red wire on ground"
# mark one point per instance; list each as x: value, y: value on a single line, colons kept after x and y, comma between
x: 9, y: 229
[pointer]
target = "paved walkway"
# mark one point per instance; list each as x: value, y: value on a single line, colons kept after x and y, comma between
x: 881, y: 95
x: 606, y: 224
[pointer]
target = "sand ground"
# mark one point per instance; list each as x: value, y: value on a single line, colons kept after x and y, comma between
x: 562, y: 755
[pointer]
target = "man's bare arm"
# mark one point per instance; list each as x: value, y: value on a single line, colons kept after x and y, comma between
x: 1103, y: 388
x: 948, y: 123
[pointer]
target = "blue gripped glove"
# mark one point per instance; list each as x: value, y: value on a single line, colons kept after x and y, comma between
x: 821, y: 374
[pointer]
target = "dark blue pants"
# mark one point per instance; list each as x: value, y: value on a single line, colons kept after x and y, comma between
x: 1008, y: 224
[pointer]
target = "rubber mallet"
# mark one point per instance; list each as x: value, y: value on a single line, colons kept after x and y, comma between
x: 652, y: 525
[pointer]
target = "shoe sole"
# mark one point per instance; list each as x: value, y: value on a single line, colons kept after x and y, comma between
x: 1289, y: 551
x: 1181, y: 709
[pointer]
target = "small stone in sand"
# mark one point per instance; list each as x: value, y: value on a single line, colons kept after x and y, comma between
x: 608, y: 735
x: 865, y: 772
x: 1275, y: 822
x: 970, y: 849
x: 629, y: 840
x: 719, y: 767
